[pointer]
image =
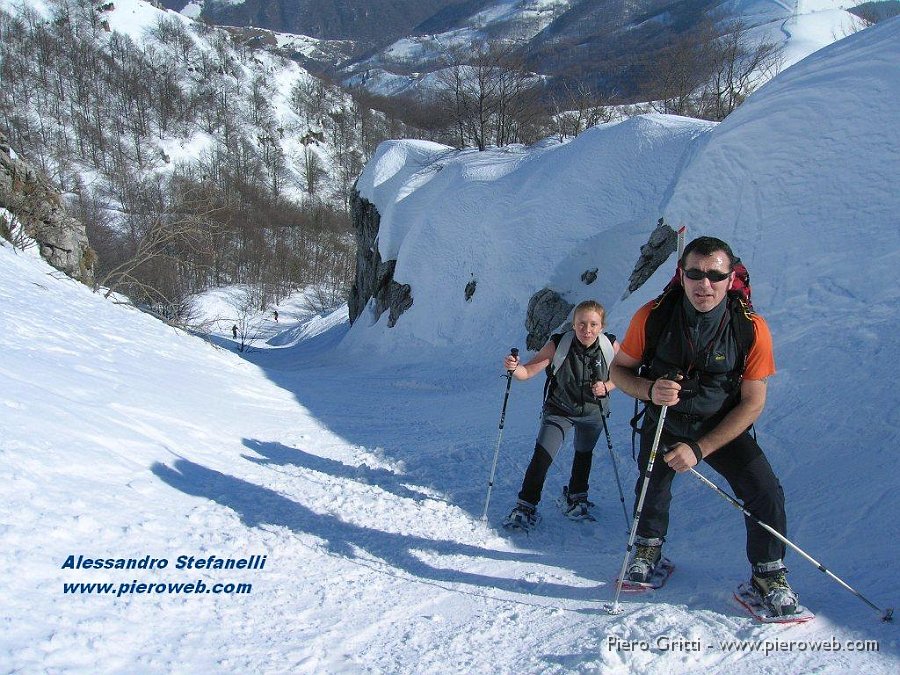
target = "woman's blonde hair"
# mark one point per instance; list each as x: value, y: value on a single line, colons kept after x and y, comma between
x: 593, y: 306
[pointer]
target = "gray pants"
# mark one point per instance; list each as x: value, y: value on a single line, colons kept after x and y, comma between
x: 551, y: 436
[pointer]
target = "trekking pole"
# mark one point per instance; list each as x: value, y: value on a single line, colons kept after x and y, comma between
x: 614, y: 608
x: 514, y: 352
x: 615, y: 464
x: 886, y: 614
x: 594, y: 379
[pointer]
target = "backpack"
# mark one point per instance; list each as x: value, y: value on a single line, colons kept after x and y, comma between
x: 739, y: 306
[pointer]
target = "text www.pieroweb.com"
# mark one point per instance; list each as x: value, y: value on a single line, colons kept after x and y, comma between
x: 135, y: 587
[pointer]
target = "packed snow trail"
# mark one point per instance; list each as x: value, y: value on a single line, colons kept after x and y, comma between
x: 125, y: 439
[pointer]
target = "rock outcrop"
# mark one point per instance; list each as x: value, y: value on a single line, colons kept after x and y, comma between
x: 547, y: 310
x: 38, y: 209
x: 374, y: 276
x: 662, y: 243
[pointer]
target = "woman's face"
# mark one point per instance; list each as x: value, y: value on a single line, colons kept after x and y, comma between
x: 587, y: 325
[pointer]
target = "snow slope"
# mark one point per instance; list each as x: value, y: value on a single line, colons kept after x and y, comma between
x: 356, y: 461
x: 801, y: 27
x: 524, y: 217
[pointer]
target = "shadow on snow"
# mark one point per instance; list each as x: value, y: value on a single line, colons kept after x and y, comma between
x: 257, y: 506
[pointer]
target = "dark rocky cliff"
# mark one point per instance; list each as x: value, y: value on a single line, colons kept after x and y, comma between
x: 374, y: 276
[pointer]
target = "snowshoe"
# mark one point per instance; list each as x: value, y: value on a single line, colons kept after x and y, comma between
x: 576, y: 506
x: 648, y: 570
x: 523, y: 517
x: 750, y: 598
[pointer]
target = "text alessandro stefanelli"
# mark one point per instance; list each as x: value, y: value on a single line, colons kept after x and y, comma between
x: 183, y: 562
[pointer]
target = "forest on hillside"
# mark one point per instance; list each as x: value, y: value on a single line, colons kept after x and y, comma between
x: 195, y: 161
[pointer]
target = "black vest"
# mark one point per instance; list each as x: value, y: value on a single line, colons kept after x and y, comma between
x: 569, y: 391
x: 703, y: 347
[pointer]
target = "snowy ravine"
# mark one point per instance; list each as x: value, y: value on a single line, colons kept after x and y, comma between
x: 356, y: 459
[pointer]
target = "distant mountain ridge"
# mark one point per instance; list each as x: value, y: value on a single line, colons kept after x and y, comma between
x: 370, y: 23
x: 611, y: 45
x: 550, y: 34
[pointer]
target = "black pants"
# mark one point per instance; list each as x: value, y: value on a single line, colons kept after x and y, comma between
x: 550, y: 438
x: 743, y: 464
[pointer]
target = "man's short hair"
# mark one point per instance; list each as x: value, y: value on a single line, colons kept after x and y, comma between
x: 707, y: 246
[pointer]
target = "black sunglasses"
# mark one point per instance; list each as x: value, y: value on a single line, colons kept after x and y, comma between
x: 712, y: 275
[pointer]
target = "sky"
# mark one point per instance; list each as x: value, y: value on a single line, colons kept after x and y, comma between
x: 347, y: 466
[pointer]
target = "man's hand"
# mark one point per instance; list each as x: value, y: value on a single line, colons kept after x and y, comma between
x: 680, y: 457
x: 665, y: 392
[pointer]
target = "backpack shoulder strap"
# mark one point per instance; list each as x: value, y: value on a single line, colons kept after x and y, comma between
x: 562, y: 350
x: 744, y: 330
x: 658, y: 319
x: 606, y: 349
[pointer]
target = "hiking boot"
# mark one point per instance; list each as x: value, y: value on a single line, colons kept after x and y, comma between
x: 522, y: 517
x: 576, y: 506
x: 775, y: 591
x: 643, y: 563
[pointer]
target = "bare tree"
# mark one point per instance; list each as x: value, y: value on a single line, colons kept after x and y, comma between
x: 272, y: 157
x: 576, y: 108
x: 863, y: 17
x: 709, y: 71
x: 160, y: 255
x: 13, y: 231
x: 248, y: 330
x: 680, y: 70
x: 492, y: 99
x: 310, y: 98
x: 76, y: 98
x: 312, y: 169
x: 740, y: 64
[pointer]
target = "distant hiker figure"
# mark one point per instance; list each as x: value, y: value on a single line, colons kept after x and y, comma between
x: 234, y: 331
x: 276, y: 315
x: 685, y: 351
x: 575, y: 396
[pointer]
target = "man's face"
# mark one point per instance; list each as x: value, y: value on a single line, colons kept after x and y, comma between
x: 705, y: 294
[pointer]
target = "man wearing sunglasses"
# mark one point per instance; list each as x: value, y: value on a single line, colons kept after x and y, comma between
x: 713, y: 397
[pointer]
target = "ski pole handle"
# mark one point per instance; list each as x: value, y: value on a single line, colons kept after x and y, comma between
x: 513, y: 352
